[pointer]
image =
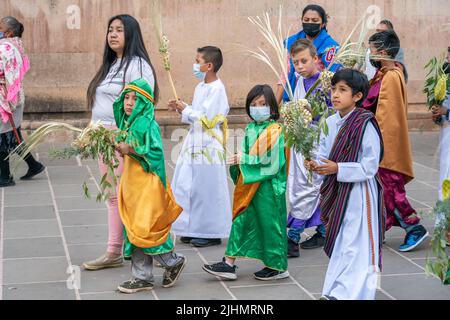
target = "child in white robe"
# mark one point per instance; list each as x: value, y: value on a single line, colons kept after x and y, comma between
x: 304, y: 195
x: 351, y: 195
x: 200, y: 183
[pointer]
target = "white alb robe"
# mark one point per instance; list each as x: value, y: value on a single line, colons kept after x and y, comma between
x: 353, y: 268
x: 304, y: 197
x: 200, y: 184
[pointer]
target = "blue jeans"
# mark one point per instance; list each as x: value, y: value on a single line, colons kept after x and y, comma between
x: 295, y: 233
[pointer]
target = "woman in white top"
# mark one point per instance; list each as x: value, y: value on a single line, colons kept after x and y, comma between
x: 125, y: 59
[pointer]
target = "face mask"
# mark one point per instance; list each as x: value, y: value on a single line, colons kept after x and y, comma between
x: 446, y: 68
x: 375, y: 64
x: 197, y: 73
x: 260, y: 114
x: 312, y: 29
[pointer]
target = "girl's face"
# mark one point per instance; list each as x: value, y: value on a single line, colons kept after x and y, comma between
x: 312, y: 16
x: 116, y: 37
x: 258, y: 102
x: 343, y: 99
x: 129, y: 102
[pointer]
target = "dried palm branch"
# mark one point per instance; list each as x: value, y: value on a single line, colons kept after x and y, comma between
x: 93, y: 142
x: 163, y: 42
x: 275, y: 38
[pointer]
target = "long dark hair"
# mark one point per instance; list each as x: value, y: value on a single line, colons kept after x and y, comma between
x: 266, y: 91
x: 320, y: 10
x: 134, y: 47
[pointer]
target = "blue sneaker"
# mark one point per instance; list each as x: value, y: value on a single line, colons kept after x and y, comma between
x: 414, y: 238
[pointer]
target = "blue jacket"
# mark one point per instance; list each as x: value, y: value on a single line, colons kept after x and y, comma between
x: 326, y: 49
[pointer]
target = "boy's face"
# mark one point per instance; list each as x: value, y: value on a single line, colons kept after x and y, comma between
x: 305, y: 64
x: 204, y: 66
x: 342, y: 97
x: 129, y: 102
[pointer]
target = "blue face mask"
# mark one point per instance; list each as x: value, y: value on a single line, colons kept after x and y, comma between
x: 197, y: 73
x: 260, y: 114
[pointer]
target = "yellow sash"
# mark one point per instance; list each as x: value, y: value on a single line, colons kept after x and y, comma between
x: 244, y: 193
x: 209, y: 125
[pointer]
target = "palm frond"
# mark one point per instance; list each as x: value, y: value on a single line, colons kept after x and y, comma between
x: 38, y: 136
x: 163, y: 41
x: 275, y: 38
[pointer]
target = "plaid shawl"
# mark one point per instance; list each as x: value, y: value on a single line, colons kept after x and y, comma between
x: 334, y: 194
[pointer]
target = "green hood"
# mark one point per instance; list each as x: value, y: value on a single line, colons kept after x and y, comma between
x: 142, y: 132
x: 143, y: 108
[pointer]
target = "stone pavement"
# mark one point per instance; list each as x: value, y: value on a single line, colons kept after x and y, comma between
x: 46, y: 225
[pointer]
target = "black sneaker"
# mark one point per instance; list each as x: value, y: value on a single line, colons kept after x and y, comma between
x: 134, y: 286
x: 33, y: 172
x: 293, y: 250
x: 325, y: 297
x: 172, y: 274
x: 221, y: 269
x: 4, y: 183
x: 316, y: 241
x: 268, y: 274
x: 186, y: 239
x: 201, y: 243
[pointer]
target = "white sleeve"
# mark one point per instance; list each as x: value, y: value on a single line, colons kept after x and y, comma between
x: 139, y: 68
x: 367, y: 167
x: 370, y: 70
x: 323, y: 150
x: 322, y: 153
x: 214, y: 104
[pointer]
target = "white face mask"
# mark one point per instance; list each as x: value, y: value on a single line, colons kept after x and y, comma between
x: 260, y: 114
x: 197, y: 73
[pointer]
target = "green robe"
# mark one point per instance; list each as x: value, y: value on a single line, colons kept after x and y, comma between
x: 144, y: 136
x: 260, y: 231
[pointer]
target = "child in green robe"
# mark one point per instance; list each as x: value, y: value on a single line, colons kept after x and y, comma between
x: 259, y: 207
x: 146, y: 204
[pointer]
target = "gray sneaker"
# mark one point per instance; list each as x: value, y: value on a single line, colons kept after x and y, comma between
x: 134, y: 286
x: 103, y: 262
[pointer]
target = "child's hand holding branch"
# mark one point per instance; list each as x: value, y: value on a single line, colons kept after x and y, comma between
x: 326, y: 169
x: 438, y: 111
x: 176, y: 105
x: 124, y: 148
x: 234, y: 159
x: 309, y: 165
